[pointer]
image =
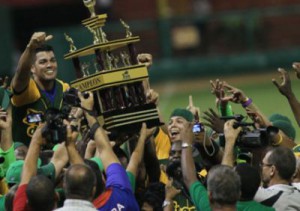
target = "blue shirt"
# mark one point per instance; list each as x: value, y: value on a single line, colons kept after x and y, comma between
x: 118, y: 194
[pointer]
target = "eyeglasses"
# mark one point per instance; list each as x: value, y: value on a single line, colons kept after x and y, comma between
x: 265, y: 164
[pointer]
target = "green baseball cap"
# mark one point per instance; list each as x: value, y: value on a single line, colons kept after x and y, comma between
x: 14, y: 171
x: 13, y: 174
x: 184, y: 113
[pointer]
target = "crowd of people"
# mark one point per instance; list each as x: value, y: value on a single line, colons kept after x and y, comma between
x: 220, y: 163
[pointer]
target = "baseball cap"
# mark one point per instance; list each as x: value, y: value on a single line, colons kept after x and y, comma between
x: 184, y: 113
x: 13, y: 174
x: 14, y: 171
x: 283, y: 123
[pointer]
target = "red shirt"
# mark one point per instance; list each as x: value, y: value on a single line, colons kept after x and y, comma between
x: 20, y: 200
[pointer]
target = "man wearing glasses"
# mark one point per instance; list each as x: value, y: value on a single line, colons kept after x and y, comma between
x: 277, y: 169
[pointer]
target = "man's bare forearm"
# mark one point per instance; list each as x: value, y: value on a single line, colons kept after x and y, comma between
x: 22, y: 75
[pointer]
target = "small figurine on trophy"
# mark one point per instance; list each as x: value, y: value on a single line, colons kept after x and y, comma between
x: 95, y: 35
x: 104, y: 37
x: 85, y: 69
x: 127, y: 28
x: 71, y: 42
x: 115, y: 61
x: 109, y: 61
x: 90, y: 4
x: 125, y: 58
x: 96, y: 66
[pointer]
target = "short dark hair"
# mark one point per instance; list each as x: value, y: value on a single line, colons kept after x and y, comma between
x: 250, y: 180
x: 79, y: 182
x: 44, y: 47
x: 41, y: 194
x: 284, y: 160
x: 224, y: 185
x: 9, y: 198
x: 100, y: 186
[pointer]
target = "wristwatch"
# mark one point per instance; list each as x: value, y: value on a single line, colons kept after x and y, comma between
x: 185, y: 145
x: 166, y: 203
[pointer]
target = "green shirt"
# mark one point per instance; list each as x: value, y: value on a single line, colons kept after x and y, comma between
x: 9, y: 157
x: 2, y: 202
x: 131, y: 180
x: 199, y: 196
x: 252, y: 206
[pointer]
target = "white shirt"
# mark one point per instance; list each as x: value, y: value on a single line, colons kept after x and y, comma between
x: 78, y: 205
x: 288, y: 200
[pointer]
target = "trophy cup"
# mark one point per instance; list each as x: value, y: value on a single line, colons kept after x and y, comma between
x: 117, y: 83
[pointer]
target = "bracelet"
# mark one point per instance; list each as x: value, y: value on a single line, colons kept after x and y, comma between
x: 185, y: 145
x: 93, y: 130
x: 166, y: 203
x: 247, y: 102
x: 279, y: 142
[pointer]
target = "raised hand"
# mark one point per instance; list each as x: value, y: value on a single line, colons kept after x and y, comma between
x: 195, y: 110
x: 213, y: 121
x: 230, y: 133
x: 37, y: 39
x: 171, y: 191
x: 217, y: 89
x: 237, y: 95
x: 145, y: 58
x: 285, y: 87
x: 152, y: 97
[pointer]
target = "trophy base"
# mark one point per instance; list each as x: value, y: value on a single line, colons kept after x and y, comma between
x: 129, y: 120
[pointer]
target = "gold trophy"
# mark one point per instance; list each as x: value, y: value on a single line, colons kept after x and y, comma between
x: 117, y: 83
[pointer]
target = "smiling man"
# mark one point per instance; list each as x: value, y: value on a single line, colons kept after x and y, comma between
x: 35, y: 87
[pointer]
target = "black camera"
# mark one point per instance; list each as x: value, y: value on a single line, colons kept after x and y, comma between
x: 55, y: 131
x: 71, y: 98
x: 250, y: 136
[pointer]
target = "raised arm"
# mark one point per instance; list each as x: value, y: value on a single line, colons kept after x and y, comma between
x: 6, y: 129
x: 104, y: 148
x: 138, y: 153
x: 187, y: 160
x: 74, y: 155
x: 285, y: 89
x: 60, y: 159
x: 231, y: 135
x: 30, y: 163
x: 21, y: 78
